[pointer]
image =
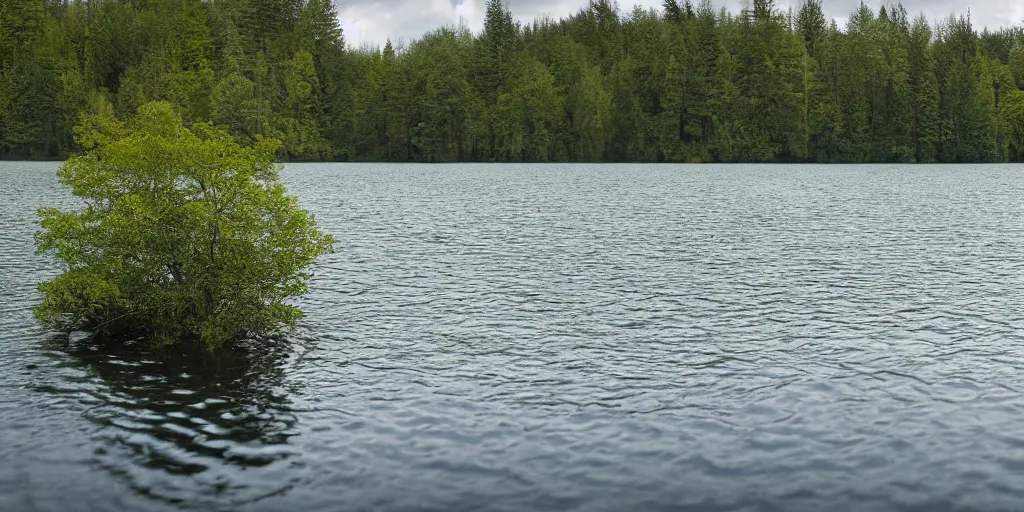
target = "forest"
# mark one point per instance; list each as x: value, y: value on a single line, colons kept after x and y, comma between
x: 686, y: 83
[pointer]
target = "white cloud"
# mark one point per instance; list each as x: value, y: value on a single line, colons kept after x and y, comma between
x: 375, y: 21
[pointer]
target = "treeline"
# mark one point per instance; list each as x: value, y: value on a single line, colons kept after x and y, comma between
x: 688, y: 83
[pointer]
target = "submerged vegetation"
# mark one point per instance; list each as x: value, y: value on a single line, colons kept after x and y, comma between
x: 184, y: 233
x: 686, y: 83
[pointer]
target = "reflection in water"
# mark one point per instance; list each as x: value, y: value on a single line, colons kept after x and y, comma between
x: 178, y: 423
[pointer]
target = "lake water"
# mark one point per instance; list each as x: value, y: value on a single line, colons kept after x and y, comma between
x: 565, y: 337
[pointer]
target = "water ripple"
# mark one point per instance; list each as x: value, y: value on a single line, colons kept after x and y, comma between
x: 565, y: 338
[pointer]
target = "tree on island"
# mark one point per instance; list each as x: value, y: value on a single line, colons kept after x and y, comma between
x: 184, y: 233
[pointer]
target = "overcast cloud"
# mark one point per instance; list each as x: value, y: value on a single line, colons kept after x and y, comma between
x: 374, y: 21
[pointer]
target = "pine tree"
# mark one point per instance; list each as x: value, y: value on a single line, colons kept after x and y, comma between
x: 682, y: 84
x: 924, y: 93
x: 811, y: 25
x: 965, y: 122
x: 1016, y: 61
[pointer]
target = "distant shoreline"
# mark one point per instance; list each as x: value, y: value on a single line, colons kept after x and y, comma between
x: 313, y: 162
x: 687, y: 82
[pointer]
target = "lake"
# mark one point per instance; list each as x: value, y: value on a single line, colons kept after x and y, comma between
x: 564, y: 337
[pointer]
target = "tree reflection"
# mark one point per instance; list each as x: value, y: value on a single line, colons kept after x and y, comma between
x: 179, y: 412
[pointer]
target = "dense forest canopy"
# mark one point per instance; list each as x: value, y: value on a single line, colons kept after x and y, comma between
x: 687, y: 83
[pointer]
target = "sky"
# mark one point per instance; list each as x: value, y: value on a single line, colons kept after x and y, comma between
x: 374, y: 21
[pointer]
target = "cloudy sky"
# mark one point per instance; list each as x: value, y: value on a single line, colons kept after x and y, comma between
x: 374, y: 21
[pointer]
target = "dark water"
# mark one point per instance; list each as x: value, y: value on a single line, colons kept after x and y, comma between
x: 582, y: 338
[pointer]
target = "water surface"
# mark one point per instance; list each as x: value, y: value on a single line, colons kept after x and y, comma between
x: 561, y: 337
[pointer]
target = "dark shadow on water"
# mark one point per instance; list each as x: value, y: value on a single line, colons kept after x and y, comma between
x: 181, y: 424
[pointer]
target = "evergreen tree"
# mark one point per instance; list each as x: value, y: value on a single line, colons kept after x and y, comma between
x: 687, y: 84
x: 924, y: 93
x: 1016, y: 60
x: 811, y: 25
x: 965, y: 127
x: 673, y: 12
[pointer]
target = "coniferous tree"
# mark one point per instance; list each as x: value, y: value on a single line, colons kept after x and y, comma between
x: 924, y: 93
x: 965, y: 136
x: 1016, y: 61
x: 686, y: 84
x: 673, y: 12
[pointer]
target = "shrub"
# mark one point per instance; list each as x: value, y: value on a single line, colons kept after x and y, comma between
x: 184, y: 233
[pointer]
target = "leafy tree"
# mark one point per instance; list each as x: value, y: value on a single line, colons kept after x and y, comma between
x: 183, y: 233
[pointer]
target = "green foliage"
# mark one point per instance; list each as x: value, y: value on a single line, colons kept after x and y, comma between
x: 183, y: 232
x: 924, y: 93
x: 688, y: 83
x: 529, y: 116
x: 1016, y: 59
